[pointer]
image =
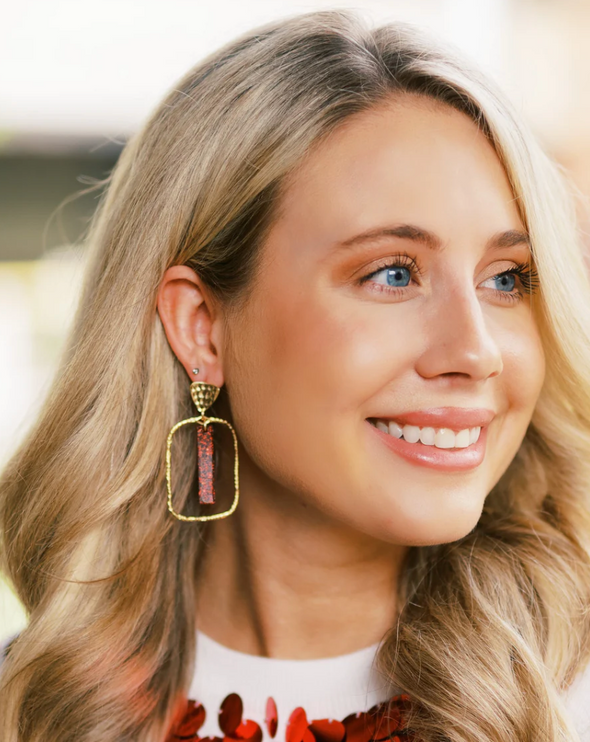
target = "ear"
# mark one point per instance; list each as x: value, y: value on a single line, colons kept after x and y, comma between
x: 191, y: 325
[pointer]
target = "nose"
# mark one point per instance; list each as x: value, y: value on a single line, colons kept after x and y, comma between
x: 459, y: 339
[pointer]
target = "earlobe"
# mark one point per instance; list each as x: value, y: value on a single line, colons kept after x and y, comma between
x: 186, y: 314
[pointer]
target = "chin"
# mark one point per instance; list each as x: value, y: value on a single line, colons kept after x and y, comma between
x: 442, y: 526
x: 437, y: 535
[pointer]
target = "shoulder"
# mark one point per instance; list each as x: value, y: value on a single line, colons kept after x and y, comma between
x: 577, y: 701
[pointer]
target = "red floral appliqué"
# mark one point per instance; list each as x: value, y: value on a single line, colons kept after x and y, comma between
x: 384, y: 721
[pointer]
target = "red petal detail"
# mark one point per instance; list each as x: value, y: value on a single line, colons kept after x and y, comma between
x: 359, y: 727
x: 308, y: 736
x: 272, y: 716
x: 296, y: 726
x: 326, y: 730
x: 191, y: 722
x: 389, y: 717
x: 248, y: 730
x: 384, y: 729
x: 230, y: 714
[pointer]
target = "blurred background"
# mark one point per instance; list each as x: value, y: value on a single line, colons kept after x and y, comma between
x: 78, y: 77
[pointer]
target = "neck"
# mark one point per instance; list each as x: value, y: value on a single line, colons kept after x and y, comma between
x: 279, y: 578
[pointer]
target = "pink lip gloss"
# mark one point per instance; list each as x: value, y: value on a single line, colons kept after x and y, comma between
x: 443, y: 459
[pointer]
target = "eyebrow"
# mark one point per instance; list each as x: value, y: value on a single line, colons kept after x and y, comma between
x: 509, y: 238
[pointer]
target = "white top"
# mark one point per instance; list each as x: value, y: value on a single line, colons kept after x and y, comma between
x: 330, y: 688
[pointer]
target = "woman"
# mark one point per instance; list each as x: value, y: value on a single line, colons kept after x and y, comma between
x: 349, y: 237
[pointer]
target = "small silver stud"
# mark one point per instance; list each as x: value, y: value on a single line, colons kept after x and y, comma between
x: 195, y: 371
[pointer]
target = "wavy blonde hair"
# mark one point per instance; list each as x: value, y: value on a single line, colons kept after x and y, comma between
x: 492, y: 627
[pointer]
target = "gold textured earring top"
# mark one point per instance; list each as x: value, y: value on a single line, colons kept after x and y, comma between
x: 203, y: 395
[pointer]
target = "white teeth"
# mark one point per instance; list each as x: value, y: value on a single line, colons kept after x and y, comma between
x: 462, y: 439
x: 427, y: 436
x: 395, y: 429
x: 438, y: 437
x: 444, y: 438
x: 411, y: 433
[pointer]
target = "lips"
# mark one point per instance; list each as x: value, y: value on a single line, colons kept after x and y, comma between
x: 453, y: 418
x: 443, y: 459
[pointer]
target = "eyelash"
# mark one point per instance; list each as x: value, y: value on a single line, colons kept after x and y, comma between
x: 528, y: 277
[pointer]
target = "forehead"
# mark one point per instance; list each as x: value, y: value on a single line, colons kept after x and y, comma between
x: 414, y: 160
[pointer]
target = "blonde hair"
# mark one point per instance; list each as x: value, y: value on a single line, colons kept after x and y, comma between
x: 492, y: 627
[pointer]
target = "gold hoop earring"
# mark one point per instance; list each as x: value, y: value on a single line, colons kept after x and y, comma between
x: 203, y: 395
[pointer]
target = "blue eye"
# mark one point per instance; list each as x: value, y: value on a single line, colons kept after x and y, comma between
x: 399, y: 270
x: 504, y: 278
x: 396, y: 270
x: 395, y: 274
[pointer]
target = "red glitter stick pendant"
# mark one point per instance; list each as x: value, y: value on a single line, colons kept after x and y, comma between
x: 203, y: 395
x: 205, y: 464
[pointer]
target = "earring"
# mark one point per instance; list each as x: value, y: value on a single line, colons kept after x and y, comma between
x: 203, y: 395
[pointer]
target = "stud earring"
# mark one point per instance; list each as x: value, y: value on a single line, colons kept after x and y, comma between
x: 203, y: 395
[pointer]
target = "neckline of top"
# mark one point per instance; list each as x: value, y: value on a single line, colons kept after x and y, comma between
x: 360, y: 655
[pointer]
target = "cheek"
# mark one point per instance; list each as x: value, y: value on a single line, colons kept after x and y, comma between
x: 517, y: 391
x: 307, y: 366
x: 523, y: 366
x: 332, y: 354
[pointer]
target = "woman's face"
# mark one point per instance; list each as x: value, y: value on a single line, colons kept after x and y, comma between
x: 340, y: 333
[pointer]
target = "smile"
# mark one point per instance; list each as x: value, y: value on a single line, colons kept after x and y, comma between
x: 436, y: 448
x: 438, y: 437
